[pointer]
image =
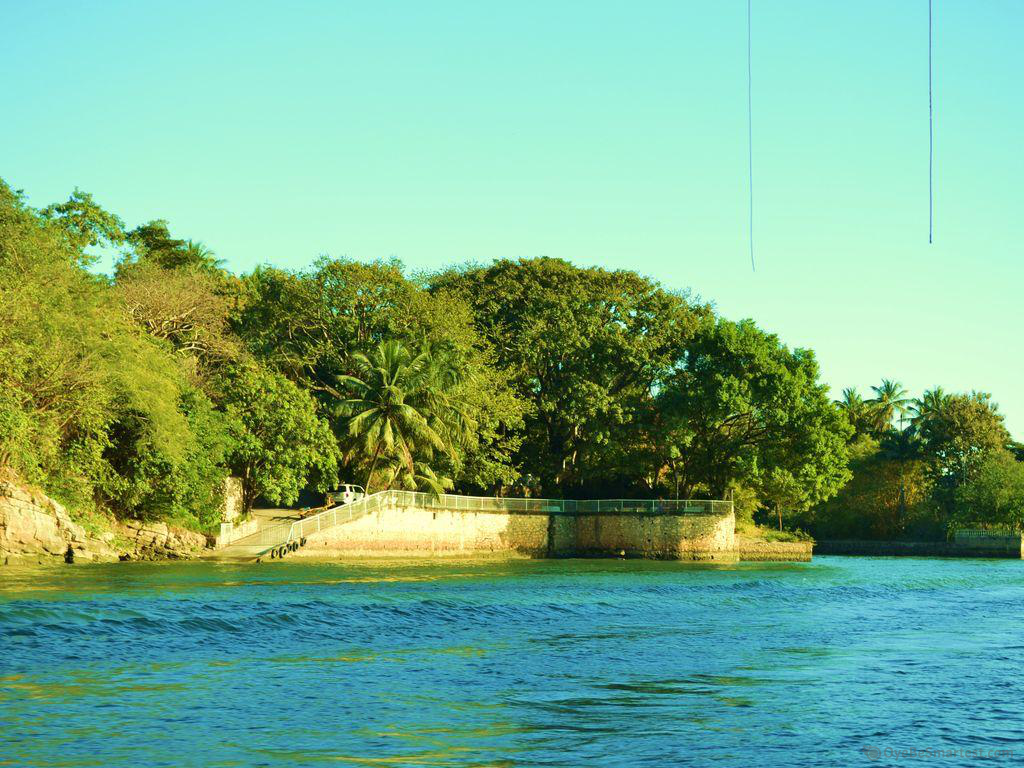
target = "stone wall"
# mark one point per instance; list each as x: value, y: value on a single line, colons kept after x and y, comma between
x: 919, y: 548
x: 411, y: 531
x: 661, y: 537
x: 233, y: 504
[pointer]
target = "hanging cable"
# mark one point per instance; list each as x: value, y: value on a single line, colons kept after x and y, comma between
x: 750, y: 137
x: 931, y: 135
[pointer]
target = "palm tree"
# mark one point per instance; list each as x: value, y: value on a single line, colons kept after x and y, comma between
x: 855, y: 409
x: 901, y: 446
x: 403, y: 412
x: 197, y: 255
x: 930, y: 404
x: 890, y: 400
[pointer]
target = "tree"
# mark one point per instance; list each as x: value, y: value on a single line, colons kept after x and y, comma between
x: 741, y: 407
x: 995, y: 495
x: 586, y: 349
x: 185, y: 307
x: 312, y: 325
x: 280, y: 445
x: 885, y: 498
x: 153, y: 242
x: 857, y: 411
x: 957, y: 437
x: 180, y: 481
x: 309, y: 324
x: 890, y: 401
x: 784, y: 491
x: 929, y: 405
x: 94, y: 410
x: 85, y: 223
x: 402, y: 413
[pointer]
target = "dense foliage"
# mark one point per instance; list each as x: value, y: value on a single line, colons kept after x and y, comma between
x: 922, y: 467
x: 141, y: 391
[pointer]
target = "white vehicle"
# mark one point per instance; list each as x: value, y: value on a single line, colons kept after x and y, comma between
x: 346, y: 494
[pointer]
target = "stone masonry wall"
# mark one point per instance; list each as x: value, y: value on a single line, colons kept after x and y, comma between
x: 661, y: 537
x: 411, y: 532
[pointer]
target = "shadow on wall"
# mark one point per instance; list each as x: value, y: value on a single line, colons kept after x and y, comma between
x: 527, y: 535
x: 665, y: 537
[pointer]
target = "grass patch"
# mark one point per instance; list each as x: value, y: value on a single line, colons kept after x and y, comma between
x: 764, y: 533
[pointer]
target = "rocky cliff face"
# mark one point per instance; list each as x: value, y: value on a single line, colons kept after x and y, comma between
x: 36, y: 529
x: 159, y: 541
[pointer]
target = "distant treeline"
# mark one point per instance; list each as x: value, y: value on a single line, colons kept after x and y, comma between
x: 139, y: 392
x: 922, y: 466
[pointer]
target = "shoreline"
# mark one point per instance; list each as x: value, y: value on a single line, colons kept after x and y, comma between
x: 1007, y: 548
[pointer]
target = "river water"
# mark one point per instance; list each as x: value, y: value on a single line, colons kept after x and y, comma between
x: 549, y: 662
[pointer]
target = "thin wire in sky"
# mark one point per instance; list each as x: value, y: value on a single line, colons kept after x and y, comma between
x: 750, y: 135
x: 931, y: 135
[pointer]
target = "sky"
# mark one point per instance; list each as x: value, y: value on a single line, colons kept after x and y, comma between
x: 604, y: 133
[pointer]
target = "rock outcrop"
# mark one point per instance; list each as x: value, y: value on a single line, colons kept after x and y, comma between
x: 159, y: 541
x: 36, y: 529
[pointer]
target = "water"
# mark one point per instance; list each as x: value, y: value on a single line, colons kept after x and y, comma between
x: 555, y: 663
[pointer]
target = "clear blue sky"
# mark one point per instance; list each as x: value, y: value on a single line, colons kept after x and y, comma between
x: 610, y: 133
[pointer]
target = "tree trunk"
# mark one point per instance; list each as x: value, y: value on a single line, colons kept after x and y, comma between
x: 778, y: 508
x: 373, y: 466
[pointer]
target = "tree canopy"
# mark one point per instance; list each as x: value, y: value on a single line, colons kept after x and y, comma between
x: 139, y: 392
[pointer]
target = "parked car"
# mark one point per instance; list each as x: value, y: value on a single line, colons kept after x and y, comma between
x: 345, y: 494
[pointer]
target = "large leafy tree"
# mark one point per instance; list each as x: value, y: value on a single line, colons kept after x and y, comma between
x: 742, y: 408
x: 885, y: 499
x: 280, y: 443
x: 309, y: 324
x: 585, y: 348
x: 957, y: 436
x: 995, y: 495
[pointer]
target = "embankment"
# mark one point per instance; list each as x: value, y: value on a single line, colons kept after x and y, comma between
x: 410, y: 530
x: 994, y: 546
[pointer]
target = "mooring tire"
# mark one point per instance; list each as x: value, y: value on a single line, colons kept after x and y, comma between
x: 302, y: 541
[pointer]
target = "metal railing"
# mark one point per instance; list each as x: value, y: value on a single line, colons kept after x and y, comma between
x: 520, y: 506
x: 285, y: 534
x: 982, y: 533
